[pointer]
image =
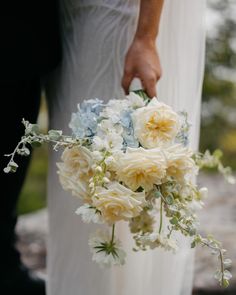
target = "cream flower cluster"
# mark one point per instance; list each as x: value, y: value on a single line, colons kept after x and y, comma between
x: 131, y: 151
x: 127, y: 160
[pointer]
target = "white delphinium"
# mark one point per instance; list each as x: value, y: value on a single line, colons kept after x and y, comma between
x: 109, y: 136
x: 106, y: 250
x: 89, y: 214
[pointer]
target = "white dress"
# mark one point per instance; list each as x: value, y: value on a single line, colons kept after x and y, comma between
x: 96, y: 35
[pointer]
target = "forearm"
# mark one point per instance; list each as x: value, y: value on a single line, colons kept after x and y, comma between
x: 149, y: 19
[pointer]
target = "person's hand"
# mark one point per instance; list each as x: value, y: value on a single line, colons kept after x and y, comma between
x: 142, y: 61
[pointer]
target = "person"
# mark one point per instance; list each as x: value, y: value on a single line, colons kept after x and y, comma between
x: 106, y: 43
x: 29, y: 49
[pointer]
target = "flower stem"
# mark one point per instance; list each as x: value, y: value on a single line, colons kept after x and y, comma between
x: 113, y: 233
x: 161, y: 216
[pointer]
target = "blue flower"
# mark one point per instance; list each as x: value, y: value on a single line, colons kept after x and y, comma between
x: 84, y: 122
x: 92, y: 106
x: 128, y: 130
x: 126, y: 120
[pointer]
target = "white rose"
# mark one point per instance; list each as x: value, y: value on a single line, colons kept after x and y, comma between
x: 140, y: 168
x: 116, y: 202
x: 155, y: 124
x: 75, y: 170
x: 179, y: 162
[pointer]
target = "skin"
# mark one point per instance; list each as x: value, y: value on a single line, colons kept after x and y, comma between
x: 142, y: 59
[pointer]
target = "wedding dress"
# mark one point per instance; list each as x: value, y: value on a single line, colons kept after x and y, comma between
x: 96, y: 35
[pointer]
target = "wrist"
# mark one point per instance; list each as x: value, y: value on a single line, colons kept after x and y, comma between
x: 145, y: 40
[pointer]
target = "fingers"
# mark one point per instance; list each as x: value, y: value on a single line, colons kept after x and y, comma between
x: 149, y: 81
x: 149, y: 85
x: 126, y: 80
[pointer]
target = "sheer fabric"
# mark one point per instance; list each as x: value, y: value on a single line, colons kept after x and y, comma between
x: 96, y: 35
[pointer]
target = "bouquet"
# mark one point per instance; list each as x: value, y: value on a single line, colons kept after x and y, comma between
x: 129, y: 160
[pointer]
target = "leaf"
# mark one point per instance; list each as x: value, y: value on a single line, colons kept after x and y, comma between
x: 218, y: 154
x: 169, y: 200
x: 54, y: 134
x: 227, y: 275
x: 227, y: 262
x: 225, y: 283
x: 193, y: 244
x: 174, y: 221
x: 157, y: 194
x: 36, y: 144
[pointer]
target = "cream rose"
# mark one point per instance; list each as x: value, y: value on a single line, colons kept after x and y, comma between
x: 75, y: 171
x: 179, y: 162
x: 141, y: 168
x: 116, y: 202
x: 155, y: 124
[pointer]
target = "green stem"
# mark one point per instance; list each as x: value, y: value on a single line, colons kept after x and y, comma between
x: 222, y: 268
x: 161, y: 216
x: 113, y: 233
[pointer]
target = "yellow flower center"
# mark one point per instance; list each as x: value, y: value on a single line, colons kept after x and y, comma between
x: 159, y: 127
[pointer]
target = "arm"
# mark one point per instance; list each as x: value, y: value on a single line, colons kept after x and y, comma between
x: 142, y: 60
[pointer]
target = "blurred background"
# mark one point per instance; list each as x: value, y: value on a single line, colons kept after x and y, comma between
x: 218, y: 130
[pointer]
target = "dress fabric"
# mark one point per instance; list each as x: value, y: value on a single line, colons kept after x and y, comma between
x: 96, y: 35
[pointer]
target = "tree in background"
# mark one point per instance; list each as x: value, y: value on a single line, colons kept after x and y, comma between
x: 219, y: 89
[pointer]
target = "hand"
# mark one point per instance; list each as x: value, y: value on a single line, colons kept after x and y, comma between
x: 142, y: 61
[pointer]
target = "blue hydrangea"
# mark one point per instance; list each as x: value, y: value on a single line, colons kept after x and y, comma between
x: 84, y: 122
x: 183, y: 135
x: 128, y: 130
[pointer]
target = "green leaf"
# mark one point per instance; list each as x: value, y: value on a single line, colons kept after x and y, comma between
x: 174, y: 220
x: 157, y: 194
x: 193, y: 244
x: 55, y: 134
x: 225, y: 283
x: 36, y: 144
x: 218, y: 154
x: 169, y: 200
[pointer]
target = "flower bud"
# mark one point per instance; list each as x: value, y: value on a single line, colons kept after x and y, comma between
x: 203, y: 192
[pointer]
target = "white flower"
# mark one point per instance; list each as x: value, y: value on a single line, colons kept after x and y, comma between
x: 77, y: 160
x: 105, y: 253
x: 109, y: 136
x: 114, y: 108
x: 155, y: 240
x: 135, y: 101
x: 89, y: 214
x: 116, y: 202
x: 155, y: 124
x: 179, y: 162
x: 77, y: 186
x: 75, y: 171
x: 141, y: 168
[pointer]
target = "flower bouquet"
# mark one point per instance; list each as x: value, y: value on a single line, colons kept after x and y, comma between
x: 128, y: 160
